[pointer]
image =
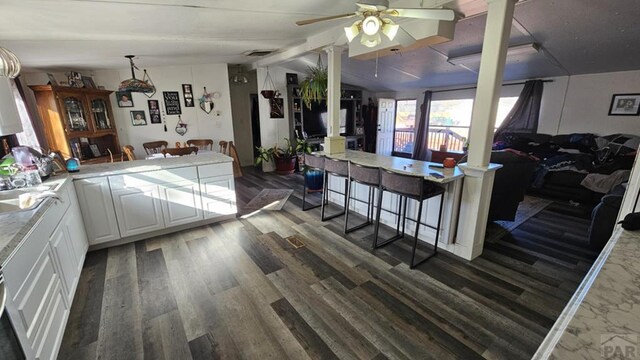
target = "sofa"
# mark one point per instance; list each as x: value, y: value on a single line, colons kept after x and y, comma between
x: 603, y: 218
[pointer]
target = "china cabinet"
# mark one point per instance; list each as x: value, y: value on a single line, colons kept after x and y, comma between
x: 78, y: 122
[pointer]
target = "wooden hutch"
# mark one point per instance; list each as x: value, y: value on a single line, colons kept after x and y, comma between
x: 78, y: 122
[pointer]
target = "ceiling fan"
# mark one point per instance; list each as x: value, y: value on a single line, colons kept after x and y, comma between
x: 374, y: 19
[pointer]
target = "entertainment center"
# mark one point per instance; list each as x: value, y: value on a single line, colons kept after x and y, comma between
x: 311, y: 123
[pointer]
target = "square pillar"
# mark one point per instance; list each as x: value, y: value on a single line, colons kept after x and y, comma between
x: 334, y: 143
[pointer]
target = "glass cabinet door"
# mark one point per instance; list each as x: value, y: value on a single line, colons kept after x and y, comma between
x: 100, y: 115
x: 75, y: 116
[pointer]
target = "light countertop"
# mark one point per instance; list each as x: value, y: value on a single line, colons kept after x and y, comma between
x: 606, y: 306
x: 399, y: 164
x: 17, y: 225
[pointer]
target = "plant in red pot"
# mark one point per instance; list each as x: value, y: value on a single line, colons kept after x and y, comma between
x: 284, y: 157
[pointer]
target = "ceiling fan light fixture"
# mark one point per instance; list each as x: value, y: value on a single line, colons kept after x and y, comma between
x: 370, y: 40
x: 9, y: 64
x: 352, y: 31
x: 390, y: 29
x: 371, y: 25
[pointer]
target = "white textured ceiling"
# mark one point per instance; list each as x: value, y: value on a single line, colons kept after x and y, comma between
x: 577, y: 36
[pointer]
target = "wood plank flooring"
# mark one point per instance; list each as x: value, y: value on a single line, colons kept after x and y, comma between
x: 246, y: 289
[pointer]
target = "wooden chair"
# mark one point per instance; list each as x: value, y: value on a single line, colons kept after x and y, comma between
x: 237, y: 167
x: 202, y: 144
x: 127, y: 151
x: 180, y: 151
x: 154, y: 147
x: 223, y: 146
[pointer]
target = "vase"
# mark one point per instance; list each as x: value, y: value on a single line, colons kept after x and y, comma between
x: 314, y: 180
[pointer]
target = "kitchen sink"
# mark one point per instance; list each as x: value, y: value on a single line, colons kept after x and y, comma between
x: 10, y: 199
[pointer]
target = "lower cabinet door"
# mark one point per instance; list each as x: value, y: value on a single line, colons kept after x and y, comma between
x: 181, y: 203
x: 138, y: 209
x: 52, y: 328
x: 94, y: 197
x: 218, y: 196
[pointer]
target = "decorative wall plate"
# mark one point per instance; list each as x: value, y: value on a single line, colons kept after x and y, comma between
x: 181, y: 127
x: 206, y: 101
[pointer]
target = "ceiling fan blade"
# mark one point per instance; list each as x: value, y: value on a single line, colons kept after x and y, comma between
x: 404, y: 38
x: 313, y: 21
x: 367, y: 7
x: 431, y: 14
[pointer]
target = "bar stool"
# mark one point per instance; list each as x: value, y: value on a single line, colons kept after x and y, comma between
x: 365, y: 175
x: 312, y: 162
x: 338, y: 168
x: 408, y: 187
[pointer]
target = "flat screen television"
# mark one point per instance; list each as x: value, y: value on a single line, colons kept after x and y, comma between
x: 315, y: 119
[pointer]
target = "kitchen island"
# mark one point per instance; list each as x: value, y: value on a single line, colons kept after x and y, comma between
x: 451, y: 181
x: 42, y: 250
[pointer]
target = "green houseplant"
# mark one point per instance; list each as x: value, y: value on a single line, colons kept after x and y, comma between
x: 284, y: 157
x: 314, y: 87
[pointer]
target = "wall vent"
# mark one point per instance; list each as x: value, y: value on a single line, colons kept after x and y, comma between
x: 258, y: 52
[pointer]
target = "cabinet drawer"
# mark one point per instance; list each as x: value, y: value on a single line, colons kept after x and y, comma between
x: 153, y: 177
x: 205, y: 171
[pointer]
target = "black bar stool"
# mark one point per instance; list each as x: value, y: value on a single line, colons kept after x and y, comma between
x: 337, y: 168
x: 365, y: 175
x: 312, y: 162
x: 408, y: 187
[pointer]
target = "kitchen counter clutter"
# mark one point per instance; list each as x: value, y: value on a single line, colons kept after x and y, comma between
x: 604, y: 313
x: 42, y: 250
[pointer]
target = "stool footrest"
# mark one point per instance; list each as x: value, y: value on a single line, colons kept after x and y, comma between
x: 377, y: 245
x: 358, y: 227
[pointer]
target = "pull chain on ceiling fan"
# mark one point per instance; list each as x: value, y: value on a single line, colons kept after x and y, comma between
x: 375, y: 20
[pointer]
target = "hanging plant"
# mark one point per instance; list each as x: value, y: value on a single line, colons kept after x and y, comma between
x: 314, y: 86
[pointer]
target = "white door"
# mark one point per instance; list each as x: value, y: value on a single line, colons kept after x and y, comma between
x: 181, y: 203
x: 386, y: 124
x: 138, y: 209
x: 218, y: 196
x: 94, y: 197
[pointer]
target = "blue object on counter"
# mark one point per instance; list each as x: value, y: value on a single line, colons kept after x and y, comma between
x: 73, y: 165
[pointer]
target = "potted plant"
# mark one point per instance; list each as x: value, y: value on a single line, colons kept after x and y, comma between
x: 314, y: 87
x: 284, y: 158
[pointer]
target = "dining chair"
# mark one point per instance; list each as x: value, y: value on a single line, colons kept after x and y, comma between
x: 202, y: 144
x: 127, y: 151
x: 180, y: 151
x: 223, y: 146
x: 155, y: 147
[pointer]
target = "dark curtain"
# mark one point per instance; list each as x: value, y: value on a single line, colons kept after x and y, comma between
x: 523, y: 118
x: 34, y: 117
x: 420, y: 146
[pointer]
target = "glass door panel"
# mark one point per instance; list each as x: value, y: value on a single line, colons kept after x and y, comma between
x: 75, y: 116
x: 100, y: 114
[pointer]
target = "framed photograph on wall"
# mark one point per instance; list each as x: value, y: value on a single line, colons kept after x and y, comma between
x: 154, y: 111
x: 625, y: 105
x: 187, y: 92
x: 292, y: 79
x: 138, y: 118
x: 171, y: 102
x: 124, y: 99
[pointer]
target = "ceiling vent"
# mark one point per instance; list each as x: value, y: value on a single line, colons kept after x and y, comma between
x: 258, y: 52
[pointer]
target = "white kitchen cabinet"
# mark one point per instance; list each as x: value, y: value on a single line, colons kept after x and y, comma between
x: 98, y: 213
x: 218, y: 196
x: 181, y: 203
x: 138, y: 209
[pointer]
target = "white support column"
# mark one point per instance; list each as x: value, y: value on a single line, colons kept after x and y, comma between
x: 334, y: 143
x: 479, y: 176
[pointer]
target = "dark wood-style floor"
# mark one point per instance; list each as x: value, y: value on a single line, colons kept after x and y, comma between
x: 240, y: 289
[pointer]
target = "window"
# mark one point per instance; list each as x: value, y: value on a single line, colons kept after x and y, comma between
x: 405, y: 124
x: 450, y: 121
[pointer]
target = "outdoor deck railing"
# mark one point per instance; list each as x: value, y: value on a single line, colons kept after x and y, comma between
x: 405, y: 138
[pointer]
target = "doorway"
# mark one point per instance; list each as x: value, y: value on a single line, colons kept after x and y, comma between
x: 255, y: 124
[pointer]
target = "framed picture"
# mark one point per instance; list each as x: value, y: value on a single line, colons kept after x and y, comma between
x: 124, y: 99
x: 138, y: 118
x: 277, y: 108
x: 75, y: 79
x: 154, y: 111
x: 52, y: 80
x: 94, y: 150
x: 625, y: 105
x: 171, y: 102
x: 88, y: 82
x: 292, y: 79
x: 187, y: 91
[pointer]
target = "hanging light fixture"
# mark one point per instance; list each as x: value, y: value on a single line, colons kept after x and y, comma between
x: 371, y: 27
x: 9, y: 64
x: 133, y: 84
x: 239, y: 78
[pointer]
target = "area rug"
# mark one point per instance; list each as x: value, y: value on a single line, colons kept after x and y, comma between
x: 528, y: 208
x: 269, y: 199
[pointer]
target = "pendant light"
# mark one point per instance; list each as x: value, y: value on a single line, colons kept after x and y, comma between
x: 9, y: 64
x: 133, y: 84
x: 239, y: 78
